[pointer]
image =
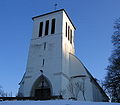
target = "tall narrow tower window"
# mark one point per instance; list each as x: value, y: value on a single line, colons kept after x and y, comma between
x: 43, y: 62
x: 53, y: 26
x: 47, y: 27
x: 68, y: 32
x: 44, y: 45
x: 71, y: 36
x: 40, y: 29
x: 66, y: 29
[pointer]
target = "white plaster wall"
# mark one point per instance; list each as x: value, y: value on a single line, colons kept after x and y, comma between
x: 52, y: 55
x: 84, y: 81
x: 58, y: 29
x: 97, y: 95
x: 77, y: 69
x: 60, y: 63
x: 67, y: 48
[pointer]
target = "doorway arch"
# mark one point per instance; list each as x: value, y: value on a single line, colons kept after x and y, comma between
x: 41, y: 88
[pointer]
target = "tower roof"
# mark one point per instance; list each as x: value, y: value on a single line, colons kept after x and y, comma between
x: 55, y: 12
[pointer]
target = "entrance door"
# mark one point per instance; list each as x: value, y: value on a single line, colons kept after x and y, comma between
x: 41, y: 88
x: 42, y: 93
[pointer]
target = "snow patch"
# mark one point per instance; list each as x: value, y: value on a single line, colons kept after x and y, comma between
x: 55, y: 102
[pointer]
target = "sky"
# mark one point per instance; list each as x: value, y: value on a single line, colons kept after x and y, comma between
x: 93, y: 19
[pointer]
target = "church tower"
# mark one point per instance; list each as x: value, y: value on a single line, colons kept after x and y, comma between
x: 47, y: 70
x: 52, y: 68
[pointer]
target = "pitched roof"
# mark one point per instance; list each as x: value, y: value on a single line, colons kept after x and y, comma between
x: 92, y: 78
x: 52, y: 13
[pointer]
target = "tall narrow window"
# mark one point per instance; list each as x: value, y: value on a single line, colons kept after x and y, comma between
x: 66, y: 29
x: 71, y: 36
x: 43, y: 62
x: 40, y: 29
x: 53, y: 26
x: 68, y: 32
x: 44, y: 45
x: 47, y: 27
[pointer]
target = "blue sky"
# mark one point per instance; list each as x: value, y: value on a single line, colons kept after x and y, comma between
x: 93, y: 20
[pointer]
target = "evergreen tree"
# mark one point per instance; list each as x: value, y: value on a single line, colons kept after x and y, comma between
x: 112, y: 79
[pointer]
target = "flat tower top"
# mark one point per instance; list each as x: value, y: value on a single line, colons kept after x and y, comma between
x: 55, y: 12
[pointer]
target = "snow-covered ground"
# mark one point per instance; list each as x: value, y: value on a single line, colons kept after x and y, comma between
x: 55, y: 102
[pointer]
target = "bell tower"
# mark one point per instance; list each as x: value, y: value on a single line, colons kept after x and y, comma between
x: 47, y: 70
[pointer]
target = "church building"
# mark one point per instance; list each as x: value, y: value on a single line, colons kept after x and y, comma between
x: 52, y: 67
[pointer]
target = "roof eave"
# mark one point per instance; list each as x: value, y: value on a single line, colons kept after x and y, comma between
x: 55, y: 12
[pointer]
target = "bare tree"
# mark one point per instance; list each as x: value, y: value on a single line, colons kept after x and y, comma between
x: 62, y: 93
x: 76, y: 87
x: 72, y: 89
x: 2, y: 94
x: 83, y: 88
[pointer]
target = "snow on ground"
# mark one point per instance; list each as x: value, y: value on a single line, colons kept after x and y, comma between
x: 55, y: 102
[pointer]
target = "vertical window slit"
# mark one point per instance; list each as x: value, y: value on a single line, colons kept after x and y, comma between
x: 53, y: 26
x: 68, y: 32
x: 47, y: 27
x: 40, y: 29
x: 66, y: 29
x: 43, y: 62
x: 71, y: 37
x: 44, y: 45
